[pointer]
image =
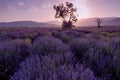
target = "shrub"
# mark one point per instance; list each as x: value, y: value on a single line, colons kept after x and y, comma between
x: 28, y: 40
x: 116, y: 47
x: 50, y: 68
x: 18, y: 34
x: 64, y: 37
x: 11, y: 54
x: 46, y: 44
x: 32, y: 35
x: 6, y: 37
x: 73, y: 33
x: 79, y: 46
x: 103, y: 59
x: 96, y: 36
x: 45, y: 33
x: 54, y: 32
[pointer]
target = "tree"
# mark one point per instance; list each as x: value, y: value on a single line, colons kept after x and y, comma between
x: 99, y: 21
x: 66, y: 13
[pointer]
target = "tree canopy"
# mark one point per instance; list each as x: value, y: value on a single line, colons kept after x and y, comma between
x: 66, y: 12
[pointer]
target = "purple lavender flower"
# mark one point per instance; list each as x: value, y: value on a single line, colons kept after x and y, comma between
x: 50, y: 68
x: 11, y: 54
x: 46, y: 44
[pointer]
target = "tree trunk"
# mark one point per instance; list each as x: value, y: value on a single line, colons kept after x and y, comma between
x: 99, y: 25
x: 67, y: 24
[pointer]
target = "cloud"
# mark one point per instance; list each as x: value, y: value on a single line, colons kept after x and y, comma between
x: 33, y: 8
x: 21, y: 3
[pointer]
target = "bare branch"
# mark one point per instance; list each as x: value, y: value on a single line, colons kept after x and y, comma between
x: 99, y: 21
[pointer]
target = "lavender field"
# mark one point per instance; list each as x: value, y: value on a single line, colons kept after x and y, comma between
x: 60, y: 54
x: 59, y: 40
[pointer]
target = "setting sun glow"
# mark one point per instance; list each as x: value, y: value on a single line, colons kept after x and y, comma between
x: 81, y: 8
x: 42, y: 10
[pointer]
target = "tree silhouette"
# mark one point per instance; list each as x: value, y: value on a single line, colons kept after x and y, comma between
x: 99, y: 21
x: 66, y: 13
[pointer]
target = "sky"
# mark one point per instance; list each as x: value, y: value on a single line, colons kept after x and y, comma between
x: 42, y: 10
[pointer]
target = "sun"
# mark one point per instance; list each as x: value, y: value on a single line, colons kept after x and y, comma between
x: 81, y: 8
x: 82, y: 13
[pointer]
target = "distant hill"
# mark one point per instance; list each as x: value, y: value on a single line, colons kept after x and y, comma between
x: 113, y: 22
x: 56, y: 22
x: 26, y: 24
x: 86, y: 22
x: 107, y: 21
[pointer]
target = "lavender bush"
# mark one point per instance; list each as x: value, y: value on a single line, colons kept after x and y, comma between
x: 46, y: 44
x: 11, y: 54
x: 73, y: 33
x: 104, y: 61
x: 79, y: 46
x: 18, y: 34
x: 6, y: 37
x: 63, y: 36
x: 50, y: 68
x: 102, y: 57
x: 55, y: 54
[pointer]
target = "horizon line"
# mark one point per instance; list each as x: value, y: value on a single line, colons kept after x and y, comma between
x: 58, y: 19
